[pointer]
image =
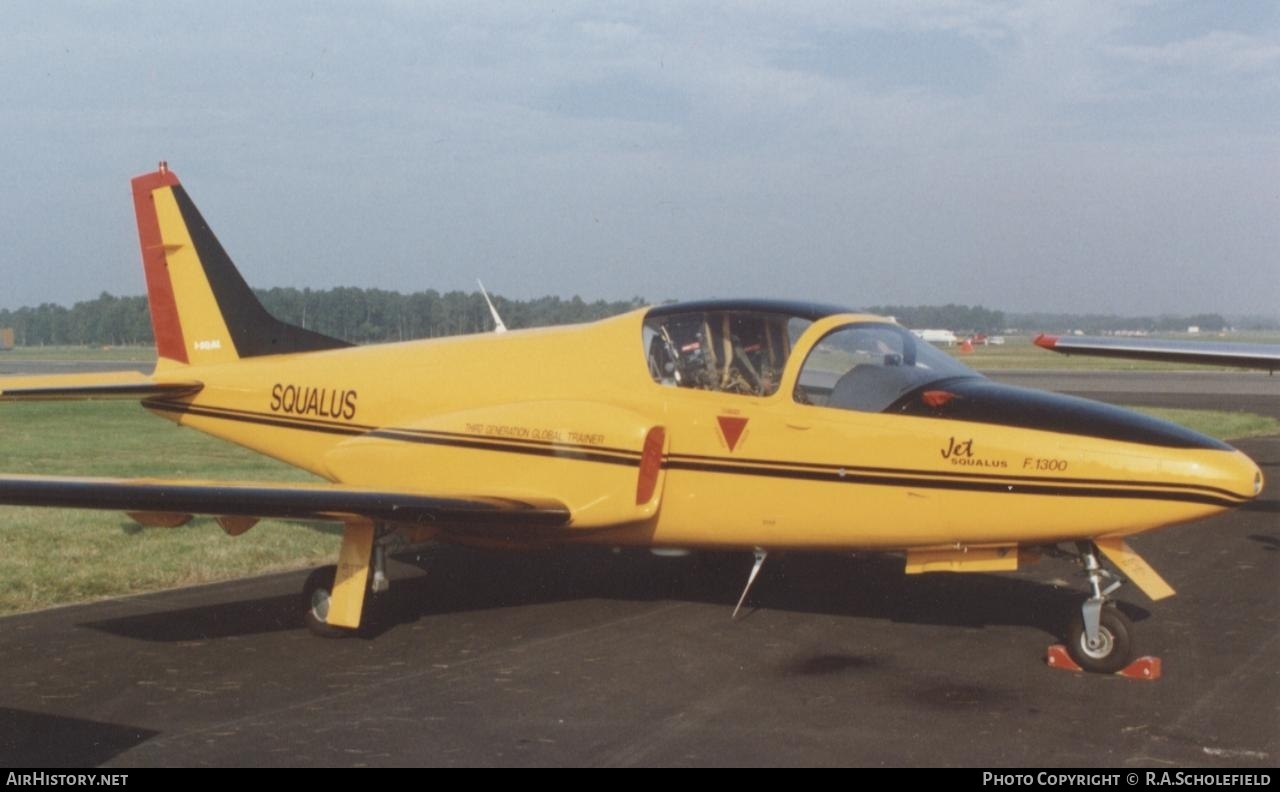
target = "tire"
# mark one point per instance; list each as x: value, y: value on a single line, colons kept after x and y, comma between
x: 1115, y: 642
x: 315, y: 603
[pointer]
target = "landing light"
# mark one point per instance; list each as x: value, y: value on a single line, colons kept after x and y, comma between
x: 670, y: 552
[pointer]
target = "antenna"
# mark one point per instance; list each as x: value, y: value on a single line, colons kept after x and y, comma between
x: 498, y: 327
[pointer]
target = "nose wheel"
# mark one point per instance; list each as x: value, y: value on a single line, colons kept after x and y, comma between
x: 1110, y: 648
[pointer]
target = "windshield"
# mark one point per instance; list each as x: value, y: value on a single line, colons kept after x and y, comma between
x: 870, y: 365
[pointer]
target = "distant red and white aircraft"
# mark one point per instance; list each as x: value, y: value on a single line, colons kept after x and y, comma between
x: 1214, y: 353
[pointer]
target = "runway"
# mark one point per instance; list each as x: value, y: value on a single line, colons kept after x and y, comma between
x: 589, y: 658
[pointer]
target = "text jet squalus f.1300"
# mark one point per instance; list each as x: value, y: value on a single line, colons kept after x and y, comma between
x: 756, y: 425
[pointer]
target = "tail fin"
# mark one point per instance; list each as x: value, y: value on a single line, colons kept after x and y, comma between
x: 202, y: 311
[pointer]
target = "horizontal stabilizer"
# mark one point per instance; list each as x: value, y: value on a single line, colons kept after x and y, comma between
x: 97, y: 385
x: 280, y: 500
x: 103, y: 390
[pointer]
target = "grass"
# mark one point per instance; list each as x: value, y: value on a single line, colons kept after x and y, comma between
x: 140, y: 354
x: 55, y: 556
x: 1217, y: 423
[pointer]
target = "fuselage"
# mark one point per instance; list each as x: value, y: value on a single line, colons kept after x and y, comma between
x: 566, y: 411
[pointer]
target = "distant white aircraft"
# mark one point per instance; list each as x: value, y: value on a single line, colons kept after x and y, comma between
x: 937, y: 336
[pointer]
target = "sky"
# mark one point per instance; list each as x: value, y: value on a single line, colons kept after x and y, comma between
x: 1112, y: 156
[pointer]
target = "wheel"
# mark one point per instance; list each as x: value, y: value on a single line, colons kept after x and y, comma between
x: 1114, y: 649
x: 315, y: 603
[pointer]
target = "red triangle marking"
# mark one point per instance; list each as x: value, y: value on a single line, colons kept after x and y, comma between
x: 731, y: 428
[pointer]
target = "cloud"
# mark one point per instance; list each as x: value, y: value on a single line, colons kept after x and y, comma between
x: 887, y: 148
x: 1216, y: 51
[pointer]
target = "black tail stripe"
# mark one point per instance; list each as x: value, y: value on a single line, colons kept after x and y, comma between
x: 253, y: 331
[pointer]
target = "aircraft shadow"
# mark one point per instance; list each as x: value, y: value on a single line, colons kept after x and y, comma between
x: 1269, y: 543
x: 1264, y: 506
x: 207, y: 622
x: 43, y: 742
x: 459, y: 580
x: 865, y: 586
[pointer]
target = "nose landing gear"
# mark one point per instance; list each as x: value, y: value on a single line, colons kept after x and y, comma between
x: 1100, y: 639
x: 1100, y: 636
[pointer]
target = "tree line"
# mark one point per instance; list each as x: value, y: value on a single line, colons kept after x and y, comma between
x: 358, y: 315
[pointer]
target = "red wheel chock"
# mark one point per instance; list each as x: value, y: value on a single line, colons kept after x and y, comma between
x: 1145, y: 667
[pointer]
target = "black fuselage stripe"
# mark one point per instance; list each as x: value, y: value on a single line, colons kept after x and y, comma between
x: 747, y: 465
x: 1120, y: 490
x: 231, y: 413
x: 634, y: 456
x: 941, y: 480
x: 556, y: 451
x: 256, y: 418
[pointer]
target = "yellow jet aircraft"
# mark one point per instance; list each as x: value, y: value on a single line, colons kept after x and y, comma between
x: 754, y: 425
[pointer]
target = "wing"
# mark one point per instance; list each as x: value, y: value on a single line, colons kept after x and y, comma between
x: 1215, y: 353
x: 178, y: 498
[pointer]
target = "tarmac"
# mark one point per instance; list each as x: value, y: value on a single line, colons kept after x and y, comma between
x: 587, y: 657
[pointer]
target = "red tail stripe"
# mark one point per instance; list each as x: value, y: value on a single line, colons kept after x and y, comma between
x: 164, y: 309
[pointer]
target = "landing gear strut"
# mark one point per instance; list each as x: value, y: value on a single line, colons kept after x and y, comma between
x: 1100, y: 638
x: 761, y: 555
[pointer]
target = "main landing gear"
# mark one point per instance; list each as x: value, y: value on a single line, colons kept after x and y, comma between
x: 364, y: 564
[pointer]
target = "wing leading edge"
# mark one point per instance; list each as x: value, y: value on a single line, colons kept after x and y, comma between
x: 280, y: 500
x: 1214, y: 353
